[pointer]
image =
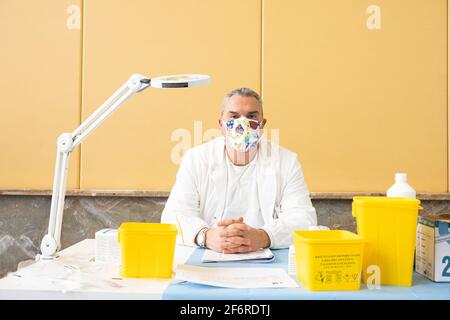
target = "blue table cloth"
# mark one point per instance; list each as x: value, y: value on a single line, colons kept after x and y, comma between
x: 422, y: 288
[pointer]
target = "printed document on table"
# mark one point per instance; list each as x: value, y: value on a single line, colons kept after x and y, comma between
x: 262, y: 255
x: 235, y: 277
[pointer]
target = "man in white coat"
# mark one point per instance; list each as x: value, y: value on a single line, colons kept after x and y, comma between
x: 239, y: 192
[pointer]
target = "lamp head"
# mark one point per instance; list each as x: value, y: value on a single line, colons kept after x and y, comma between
x: 179, y: 81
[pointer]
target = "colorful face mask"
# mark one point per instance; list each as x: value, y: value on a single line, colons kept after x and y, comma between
x: 242, y: 134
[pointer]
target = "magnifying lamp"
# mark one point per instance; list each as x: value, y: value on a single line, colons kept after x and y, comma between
x: 66, y: 143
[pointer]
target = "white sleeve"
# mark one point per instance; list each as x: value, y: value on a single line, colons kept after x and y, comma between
x: 183, y: 205
x: 295, y: 212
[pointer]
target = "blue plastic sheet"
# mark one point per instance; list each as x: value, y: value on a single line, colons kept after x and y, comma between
x: 422, y: 288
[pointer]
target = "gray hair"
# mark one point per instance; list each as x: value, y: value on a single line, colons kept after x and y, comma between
x: 243, y: 92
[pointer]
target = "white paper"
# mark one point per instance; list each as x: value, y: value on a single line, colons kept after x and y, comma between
x: 68, y: 275
x: 262, y: 255
x: 236, y: 277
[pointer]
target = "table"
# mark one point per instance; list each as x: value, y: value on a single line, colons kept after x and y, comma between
x: 79, y: 277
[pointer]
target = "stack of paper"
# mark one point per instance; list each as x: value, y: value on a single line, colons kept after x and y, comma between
x: 107, y: 247
x: 236, y: 277
x: 262, y: 255
x: 292, y: 268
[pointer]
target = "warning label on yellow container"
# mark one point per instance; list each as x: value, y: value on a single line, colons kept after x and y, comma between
x: 340, y: 268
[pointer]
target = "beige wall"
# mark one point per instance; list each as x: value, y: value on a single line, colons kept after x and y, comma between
x: 357, y: 105
x: 40, y: 92
x: 133, y: 150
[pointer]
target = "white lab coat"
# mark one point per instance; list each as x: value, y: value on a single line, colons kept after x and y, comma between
x: 197, y: 199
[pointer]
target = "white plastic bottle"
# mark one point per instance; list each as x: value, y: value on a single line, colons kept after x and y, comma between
x: 401, y: 188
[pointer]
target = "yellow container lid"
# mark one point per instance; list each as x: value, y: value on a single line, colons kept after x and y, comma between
x: 378, y: 201
x: 328, y: 237
x: 148, y: 227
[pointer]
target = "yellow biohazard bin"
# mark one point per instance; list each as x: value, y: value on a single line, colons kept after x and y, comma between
x: 328, y: 260
x: 388, y: 224
x: 147, y: 249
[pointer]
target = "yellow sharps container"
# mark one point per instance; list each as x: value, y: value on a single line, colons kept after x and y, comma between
x: 328, y: 260
x: 388, y: 225
x: 147, y: 249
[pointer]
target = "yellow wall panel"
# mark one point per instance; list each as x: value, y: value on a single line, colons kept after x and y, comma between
x: 40, y: 59
x: 356, y: 104
x: 134, y: 148
x: 359, y: 104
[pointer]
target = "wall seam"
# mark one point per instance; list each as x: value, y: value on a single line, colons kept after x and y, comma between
x: 261, y: 49
x: 81, y: 86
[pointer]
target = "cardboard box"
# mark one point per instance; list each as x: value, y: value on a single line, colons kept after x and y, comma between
x: 433, y: 247
x: 292, y: 267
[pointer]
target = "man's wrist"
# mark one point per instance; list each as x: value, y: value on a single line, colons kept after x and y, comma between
x: 200, y: 239
x: 206, y: 237
x: 265, y: 239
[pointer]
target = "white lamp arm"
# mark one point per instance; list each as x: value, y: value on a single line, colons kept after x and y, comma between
x: 66, y: 143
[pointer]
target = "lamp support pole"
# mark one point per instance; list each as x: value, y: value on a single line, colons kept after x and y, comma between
x: 66, y: 143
